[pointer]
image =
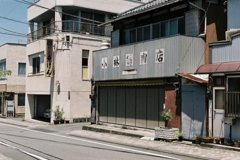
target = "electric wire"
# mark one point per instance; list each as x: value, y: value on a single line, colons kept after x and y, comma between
x: 12, y: 31
x: 178, y: 68
x: 30, y: 3
x: 210, y: 39
x: 11, y: 34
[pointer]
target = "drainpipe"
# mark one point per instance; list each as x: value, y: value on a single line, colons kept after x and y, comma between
x: 205, y: 14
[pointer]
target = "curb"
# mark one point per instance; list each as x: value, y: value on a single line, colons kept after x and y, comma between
x: 147, y: 148
x: 88, y: 128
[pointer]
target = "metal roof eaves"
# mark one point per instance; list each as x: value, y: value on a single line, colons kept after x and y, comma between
x: 142, y: 11
x: 146, y: 7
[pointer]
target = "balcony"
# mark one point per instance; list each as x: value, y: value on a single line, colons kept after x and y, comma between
x: 70, y: 26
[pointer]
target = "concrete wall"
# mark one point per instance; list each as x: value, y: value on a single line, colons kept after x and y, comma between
x: 72, y: 93
x: 177, y: 50
x: 14, y: 54
x: 111, y: 6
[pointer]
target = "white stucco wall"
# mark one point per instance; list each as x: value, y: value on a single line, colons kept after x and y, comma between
x: 14, y: 54
x: 68, y: 72
x: 110, y: 6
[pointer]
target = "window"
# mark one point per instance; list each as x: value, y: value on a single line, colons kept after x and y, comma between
x: 173, y: 27
x: 146, y: 33
x: 133, y: 36
x: 21, y: 99
x: 164, y: 29
x: 36, y: 65
x: 3, y: 66
x: 85, y: 54
x: 90, y: 26
x: 21, y: 69
x: 155, y: 31
x: 152, y: 31
x: 127, y: 37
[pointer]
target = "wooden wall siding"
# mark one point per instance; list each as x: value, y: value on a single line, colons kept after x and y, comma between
x: 173, y: 103
x: 216, y: 27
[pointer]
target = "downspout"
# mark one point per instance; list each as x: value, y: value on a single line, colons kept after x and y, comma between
x: 205, y: 15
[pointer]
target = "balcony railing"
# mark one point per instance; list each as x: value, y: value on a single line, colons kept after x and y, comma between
x: 232, y: 108
x: 70, y: 26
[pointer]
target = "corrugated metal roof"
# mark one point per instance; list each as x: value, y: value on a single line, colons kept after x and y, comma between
x: 196, y: 78
x: 146, y: 6
x: 223, y: 67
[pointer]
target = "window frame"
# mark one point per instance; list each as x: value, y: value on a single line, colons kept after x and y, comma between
x: 24, y: 100
x: 39, y: 65
x: 19, y: 68
x: 84, y: 66
x: 151, y: 30
x: 2, y: 62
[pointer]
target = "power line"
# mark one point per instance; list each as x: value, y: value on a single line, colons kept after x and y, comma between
x: 12, y: 10
x: 210, y: 39
x: 12, y: 31
x: 192, y: 40
x: 11, y: 34
x: 30, y: 3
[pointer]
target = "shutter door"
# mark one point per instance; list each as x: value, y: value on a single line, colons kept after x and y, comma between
x: 103, y: 105
x: 111, y: 101
x: 121, y: 109
x: 130, y: 107
x: 141, y: 107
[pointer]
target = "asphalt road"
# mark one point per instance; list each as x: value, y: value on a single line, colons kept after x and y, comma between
x: 51, y: 143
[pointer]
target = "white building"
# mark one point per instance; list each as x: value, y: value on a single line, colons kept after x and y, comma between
x: 12, y: 87
x: 59, y: 53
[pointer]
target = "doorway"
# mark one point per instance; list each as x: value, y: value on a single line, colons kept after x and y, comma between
x: 42, y: 103
x: 218, y: 111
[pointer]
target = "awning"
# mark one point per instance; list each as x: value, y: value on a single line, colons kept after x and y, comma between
x: 196, y: 78
x: 131, y: 83
x: 223, y: 67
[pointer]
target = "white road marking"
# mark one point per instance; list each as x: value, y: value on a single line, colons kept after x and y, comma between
x: 30, y: 154
x: 103, y: 144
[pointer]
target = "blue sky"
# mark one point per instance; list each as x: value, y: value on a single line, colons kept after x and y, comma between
x: 13, y: 10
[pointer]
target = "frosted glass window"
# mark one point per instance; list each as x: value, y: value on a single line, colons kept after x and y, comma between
x: 219, y: 99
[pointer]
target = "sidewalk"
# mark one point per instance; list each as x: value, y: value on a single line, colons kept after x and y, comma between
x: 186, y: 148
x: 183, y: 149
